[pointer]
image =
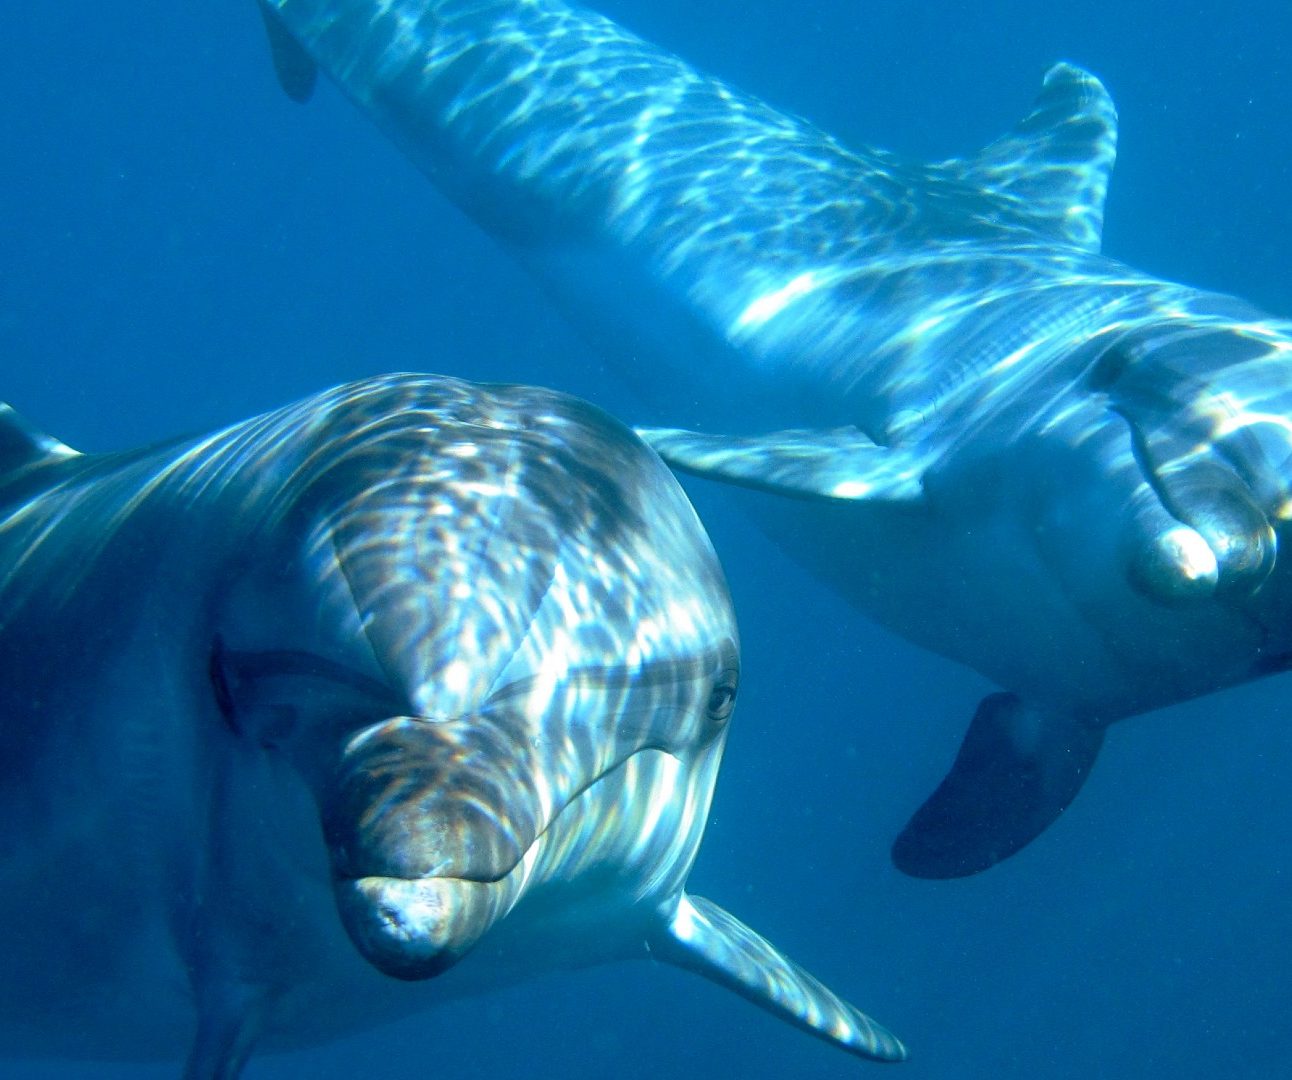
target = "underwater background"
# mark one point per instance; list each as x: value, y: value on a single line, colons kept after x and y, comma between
x: 181, y: 246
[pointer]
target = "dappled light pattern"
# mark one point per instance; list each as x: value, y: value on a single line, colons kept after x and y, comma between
x: 467, y: 797
x: 537, y: 520
x: 607, y: 133
x: 531, y: 578
x: 945, y: 312
x: 1066, y: 473
x: 477, y: 633
x: 531, y: 581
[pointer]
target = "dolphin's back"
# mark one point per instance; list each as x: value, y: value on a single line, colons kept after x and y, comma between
x: 666, y: 208
x: 552, y: 120
x: 588, y: 125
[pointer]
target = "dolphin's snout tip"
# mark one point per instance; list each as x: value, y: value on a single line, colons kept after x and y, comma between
x: 416, y: 929
x: 1176, y: 566
x: 1223, y: 540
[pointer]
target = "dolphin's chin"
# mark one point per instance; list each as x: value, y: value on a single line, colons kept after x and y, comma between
x: 418, y: 928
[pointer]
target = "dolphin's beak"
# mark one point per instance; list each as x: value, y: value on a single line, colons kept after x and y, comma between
x: 425, y: 823
x: 419, y: 928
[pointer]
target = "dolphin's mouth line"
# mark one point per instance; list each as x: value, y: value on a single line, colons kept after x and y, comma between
x: 502, y: 876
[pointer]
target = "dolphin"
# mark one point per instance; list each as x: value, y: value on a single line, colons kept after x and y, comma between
x: 1010, y: 449
x: 411, y: 689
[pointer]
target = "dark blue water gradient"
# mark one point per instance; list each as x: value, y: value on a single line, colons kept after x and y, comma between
x: 180, y: 246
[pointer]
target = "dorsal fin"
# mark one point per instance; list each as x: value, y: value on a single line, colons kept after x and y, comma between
x: 297, y: 73
x: 22, y: 445
x: 1056, y: 161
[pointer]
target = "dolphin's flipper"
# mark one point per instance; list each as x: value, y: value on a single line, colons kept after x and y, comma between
x: 297, y: 73
x: 21, y: 444
x: 840, y: 463
x: 1016, y: 771
x: 703, y: 938
x: 1056, y: 162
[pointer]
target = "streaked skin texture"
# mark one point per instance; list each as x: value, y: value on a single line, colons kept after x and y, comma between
x: 1002, y: 444
x: 409, y: 690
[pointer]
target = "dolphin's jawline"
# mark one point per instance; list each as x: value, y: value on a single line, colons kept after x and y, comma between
x: 501, y: 876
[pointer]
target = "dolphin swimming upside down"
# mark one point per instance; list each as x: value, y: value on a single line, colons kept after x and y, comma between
x: 1070, y: 475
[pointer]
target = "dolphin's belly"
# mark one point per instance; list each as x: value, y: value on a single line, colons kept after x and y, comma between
x: 973, y: 587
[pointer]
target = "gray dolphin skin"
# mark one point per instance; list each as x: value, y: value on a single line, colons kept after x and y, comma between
x: 298, y: 715
x: 1004, y: 446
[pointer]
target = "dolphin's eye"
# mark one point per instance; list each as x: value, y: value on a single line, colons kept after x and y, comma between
x: 722, y: 699
x: 236, y: 697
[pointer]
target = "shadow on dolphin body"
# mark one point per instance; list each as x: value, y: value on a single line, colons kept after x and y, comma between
x: 1003, y: 445
x: 409, y: 690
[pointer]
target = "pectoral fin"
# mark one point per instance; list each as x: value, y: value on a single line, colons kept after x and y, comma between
x: 702, y: 938
x: 297, y: 73
x: 1017, y: 770
x: 840, y: 463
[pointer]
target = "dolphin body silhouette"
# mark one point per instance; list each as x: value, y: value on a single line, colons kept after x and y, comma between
x: 304, y: 712
x: 1006, y: 447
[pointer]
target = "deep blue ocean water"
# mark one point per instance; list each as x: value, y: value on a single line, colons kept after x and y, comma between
x: 181, y: 246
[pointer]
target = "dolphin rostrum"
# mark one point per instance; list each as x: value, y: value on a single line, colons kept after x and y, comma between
x: 1007, y: 447
x: 303, y: 713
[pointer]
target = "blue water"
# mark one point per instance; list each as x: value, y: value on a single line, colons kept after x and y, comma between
x: 180, y: 246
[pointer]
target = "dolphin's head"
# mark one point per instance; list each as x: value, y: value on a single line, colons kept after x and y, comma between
x: 1201, y: 384
x: 486, y: 629
x: 523, y: 660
